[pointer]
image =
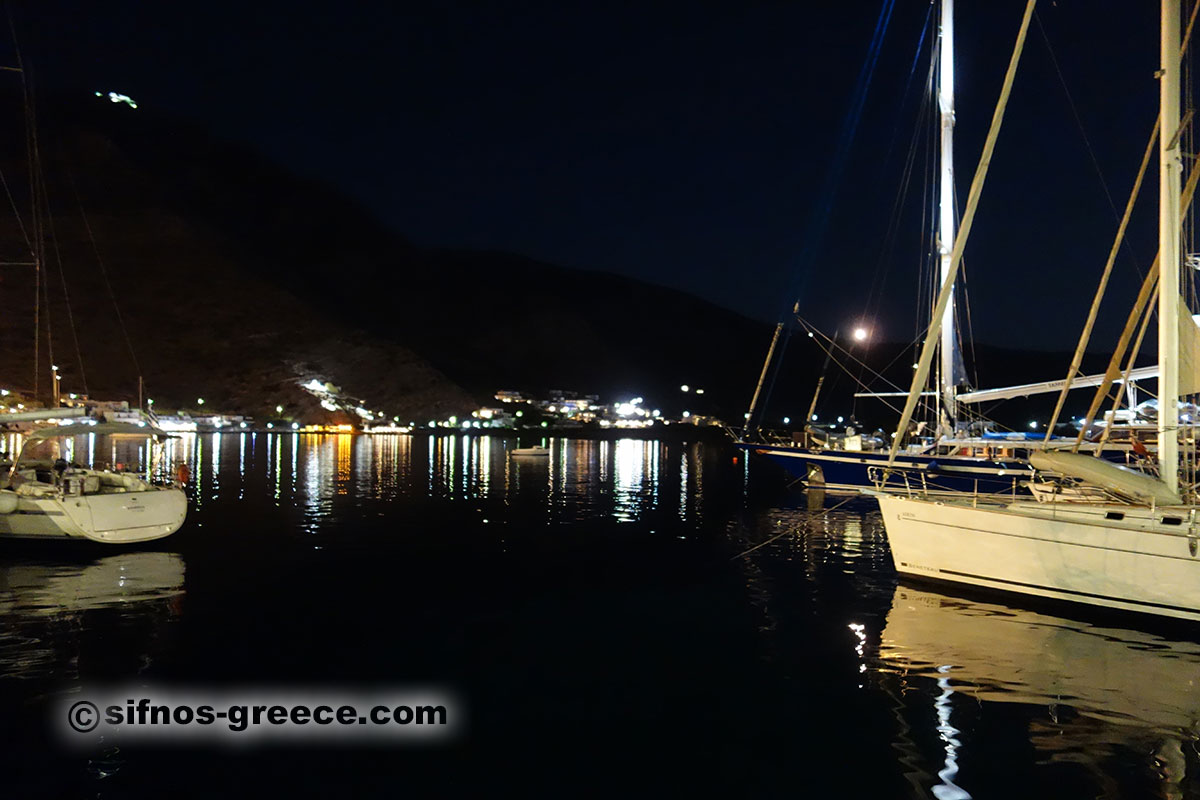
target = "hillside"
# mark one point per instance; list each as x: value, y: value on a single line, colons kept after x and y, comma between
x: 236, y: 279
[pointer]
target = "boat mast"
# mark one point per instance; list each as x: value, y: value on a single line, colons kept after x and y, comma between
x: 946, y: 205
x: 1170, y: 170
x: 925, y: 362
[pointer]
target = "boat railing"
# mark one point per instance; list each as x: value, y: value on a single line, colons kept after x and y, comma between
x: 920, y: 483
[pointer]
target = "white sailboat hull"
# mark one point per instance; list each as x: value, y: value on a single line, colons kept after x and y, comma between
x: 118, y: 518
x: 1081, y: 553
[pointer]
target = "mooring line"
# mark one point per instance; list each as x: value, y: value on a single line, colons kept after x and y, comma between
x: 785, y: 533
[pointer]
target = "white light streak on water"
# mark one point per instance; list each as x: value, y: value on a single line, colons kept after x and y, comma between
x: 948, y: 789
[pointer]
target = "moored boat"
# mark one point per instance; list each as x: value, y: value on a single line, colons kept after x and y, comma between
x: 1137, y: 548
x: 48, y: 496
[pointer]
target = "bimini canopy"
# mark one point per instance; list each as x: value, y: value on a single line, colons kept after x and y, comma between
x: 110, y: 428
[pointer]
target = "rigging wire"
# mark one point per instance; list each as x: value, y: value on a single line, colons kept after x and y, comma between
x: 819, y: 216
x: 107, y: 283
x: 896, y: 213
x: 815, y: 232
x: 35, y: 240
x: 875, y: 291
x: 1083, y: 133
x: 67, y: 300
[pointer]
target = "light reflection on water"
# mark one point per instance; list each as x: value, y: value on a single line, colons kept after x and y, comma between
x: 332, y: 474
x: 1108, y: 703
x: 47, y: 603
x: 1094, y: 694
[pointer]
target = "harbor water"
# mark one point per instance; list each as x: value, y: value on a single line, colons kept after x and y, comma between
x: 621, y: 616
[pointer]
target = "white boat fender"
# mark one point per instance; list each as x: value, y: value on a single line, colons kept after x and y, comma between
x: 8, y: 502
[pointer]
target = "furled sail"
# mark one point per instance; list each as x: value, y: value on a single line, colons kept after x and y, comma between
x: 1098, y: 472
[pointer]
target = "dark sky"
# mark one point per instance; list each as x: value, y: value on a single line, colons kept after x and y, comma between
x: 685, y: 144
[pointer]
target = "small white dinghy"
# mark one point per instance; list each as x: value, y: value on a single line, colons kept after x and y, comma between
x: 531, y: 451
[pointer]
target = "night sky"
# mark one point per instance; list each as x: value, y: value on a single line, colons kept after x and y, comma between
x: 685, y: 144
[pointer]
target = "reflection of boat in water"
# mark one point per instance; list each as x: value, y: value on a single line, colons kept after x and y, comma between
x: 37, y: 589
x: 58, y: 617
x: 1005, y: 654
x: 48, y: 496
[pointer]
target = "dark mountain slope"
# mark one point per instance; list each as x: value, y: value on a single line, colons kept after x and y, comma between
x: 236, y: 279
x: 231, y: 227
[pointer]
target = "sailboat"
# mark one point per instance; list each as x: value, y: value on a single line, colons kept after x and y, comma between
x: 47, y: 493
x: 1136, y: 549
x: 941, y: 459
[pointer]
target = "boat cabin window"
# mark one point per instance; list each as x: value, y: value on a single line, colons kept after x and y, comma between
x: 1172, y: 520
x: 1114, y: 515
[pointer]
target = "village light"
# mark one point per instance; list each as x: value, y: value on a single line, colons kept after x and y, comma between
x: 684, y: 388
x: 278, y: 409
x: 200, y: 401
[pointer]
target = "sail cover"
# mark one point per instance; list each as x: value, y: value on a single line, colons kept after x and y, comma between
x: 1098, y: 472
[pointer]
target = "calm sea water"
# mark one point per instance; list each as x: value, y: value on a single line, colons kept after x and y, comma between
x: 599, y: 618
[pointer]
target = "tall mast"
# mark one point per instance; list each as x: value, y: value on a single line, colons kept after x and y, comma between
x: 946, y: 202
x: 1170, y: 170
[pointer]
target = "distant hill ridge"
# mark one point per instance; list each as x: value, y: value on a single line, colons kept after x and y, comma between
x: 236, y: 279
